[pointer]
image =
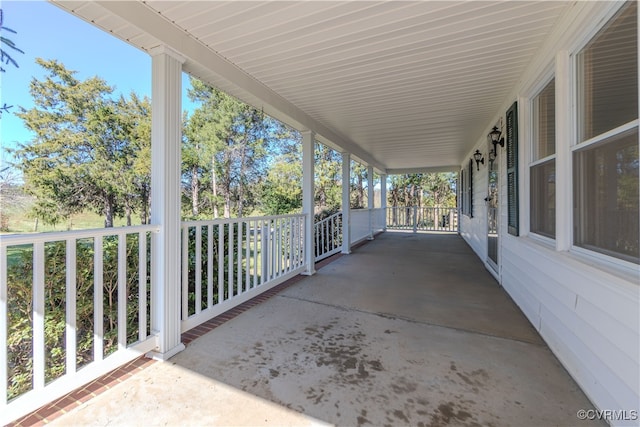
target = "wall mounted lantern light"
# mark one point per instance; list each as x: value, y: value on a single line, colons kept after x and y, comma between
x: 479, y: 158
x: 492, y: 157
x: 495, y: 139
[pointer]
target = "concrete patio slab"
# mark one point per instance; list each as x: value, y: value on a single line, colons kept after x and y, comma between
x: 407, y: 330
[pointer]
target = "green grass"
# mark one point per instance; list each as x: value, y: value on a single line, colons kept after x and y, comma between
x: 15, y: 254
x: 18, y: 222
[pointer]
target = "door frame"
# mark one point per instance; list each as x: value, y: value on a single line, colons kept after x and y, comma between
x: 492, y: 201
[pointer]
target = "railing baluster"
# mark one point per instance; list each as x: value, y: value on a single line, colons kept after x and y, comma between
x: 220, y: 254
x: 4, y: 325
x: 247, y: 255
x: 287, y: 245
x: 273, y: 253
x: 230, y: 260
x: 290, y: 244
x: 322, y: 237
x: 142, y: 286
x: 264, y: 266
x: 316, y: 238
x: 280, y: 242
x: 304, y: 243
x: 70, y: 309
x: 294, y: 244
x: 210, y: 266
x: 122, y: 291
x: 332, y: 226
x: 276, y: 253
x: 98, y: 307
x: 255, y: 253
x: 38, y: 316
x: 283, y: 246
x: 239, y: 261
x: 198, y: 289
x: 185, y: 273
x: 299, y: 241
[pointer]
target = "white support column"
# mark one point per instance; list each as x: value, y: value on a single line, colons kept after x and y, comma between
x: 308, y: 154
x: 346, y: 203
x: 370, y: 199
x: 564, y: 136
x: 166, y: 125
x: 383, y: 200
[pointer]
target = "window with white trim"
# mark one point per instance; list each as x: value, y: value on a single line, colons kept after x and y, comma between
x: 543, y: 163
x: 605, y: 159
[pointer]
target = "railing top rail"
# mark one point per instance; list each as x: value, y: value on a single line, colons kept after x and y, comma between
x: 24, y: 239
x: 232, y: 220
x: 420, y: 207
x: 329, y: 218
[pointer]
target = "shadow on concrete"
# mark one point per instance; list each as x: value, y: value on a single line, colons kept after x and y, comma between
x: 410, y: 329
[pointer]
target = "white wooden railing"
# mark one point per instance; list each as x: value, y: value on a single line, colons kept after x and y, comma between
x: 328, y: 236
x: 42, y: 278
x: 360, y: 227
x: 422, y: 218
x: 365, y: 223
x: 226, y: 262
x: 101, y: 278
x: 378, y: 220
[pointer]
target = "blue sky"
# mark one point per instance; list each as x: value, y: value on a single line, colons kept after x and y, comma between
x: 46, y: 31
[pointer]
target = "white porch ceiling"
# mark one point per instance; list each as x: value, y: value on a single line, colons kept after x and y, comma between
x: 403, y: 85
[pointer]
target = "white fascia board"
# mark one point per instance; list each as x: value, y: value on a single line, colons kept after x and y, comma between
x: 141, y: 16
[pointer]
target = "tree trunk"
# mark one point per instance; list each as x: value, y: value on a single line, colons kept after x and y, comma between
x: 108, y: 211
x: 360, y: 192
x: 226, y: 188
x: 214, y: 186
x: 195, y: 191
x: 227, y: 204
x: 128, y: 215
x: 243, y: 161
x: 144, y: 214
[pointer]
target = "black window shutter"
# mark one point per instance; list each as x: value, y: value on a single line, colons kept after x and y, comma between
x: 471, y: 188
x: 512, y: 169
x: 461, y: 191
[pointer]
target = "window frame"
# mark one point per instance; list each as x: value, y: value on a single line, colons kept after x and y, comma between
x: 575, y: 145
x: 542, y: 84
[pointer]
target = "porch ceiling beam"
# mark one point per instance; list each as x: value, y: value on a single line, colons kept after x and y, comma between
x: 432, y: 169
x: 141, y: 16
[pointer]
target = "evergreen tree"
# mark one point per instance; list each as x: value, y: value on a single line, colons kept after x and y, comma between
x: 89, y: 151
x: 7, y: 49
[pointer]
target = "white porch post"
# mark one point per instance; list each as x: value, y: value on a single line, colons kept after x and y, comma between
x: 564, y: 198
x: 166, y: 124
x: 308, y: 152
x: 346, y: 203
x: 370, y: 201
x: 383, y: 200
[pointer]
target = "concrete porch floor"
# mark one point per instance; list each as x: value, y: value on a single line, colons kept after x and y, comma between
x: 410, y: 329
